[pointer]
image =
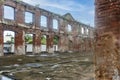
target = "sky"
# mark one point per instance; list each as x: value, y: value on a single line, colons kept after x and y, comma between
x: 81, y: 10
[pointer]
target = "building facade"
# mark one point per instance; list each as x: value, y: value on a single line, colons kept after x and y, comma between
x: 27, y: 19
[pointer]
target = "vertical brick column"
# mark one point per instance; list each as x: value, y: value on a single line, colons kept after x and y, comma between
x: 37, y: 18
x: 50, y: 23
x: 75, y: 44
x: 59, y: 44
x: 19, y: 14
x: 50, y: 36
x: 37, y: 35
x: 1, y: 31
x: 1, y: 41
x: 50, y: 43
x: 19, y: 36
x: 63, y: 44
x: 107, y: 50
x: 37, y: 43
x: 19, y: 43
x: 1, y: 12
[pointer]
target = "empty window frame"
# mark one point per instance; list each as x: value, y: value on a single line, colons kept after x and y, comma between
x: 69, y: 28
x: 55, y: 24
x: 28, y: 17
x: 82, y: 30
x: 43, y: 21
x: 9, y: 12
x: 87, y: 31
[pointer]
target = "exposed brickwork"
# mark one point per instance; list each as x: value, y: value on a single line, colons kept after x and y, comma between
x: 1, y: 41
x: 21, y: 28
x: 107, y: 21
x: 19, y: 43
x: 37, y: 42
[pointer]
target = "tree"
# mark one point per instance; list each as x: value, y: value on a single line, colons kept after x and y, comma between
x: 43, y: 40
x: 56, y: 40
x: 28, y: 39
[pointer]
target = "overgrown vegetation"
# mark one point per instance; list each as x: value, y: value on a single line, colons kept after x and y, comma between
x: 43, y: 40
x: 56, y: 40
x: 28, y: 39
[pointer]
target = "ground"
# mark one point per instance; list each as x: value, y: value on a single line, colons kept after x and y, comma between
x: 58, y: 66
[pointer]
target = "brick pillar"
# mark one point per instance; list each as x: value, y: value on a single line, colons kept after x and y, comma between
x: 19, y: 14
x: 63, y: 43
x: 85, y: 44
x: 37, y: 18
x: 107, y: 50
x: 19, y: 43
x: 19, y: 36
x: 1, y: 32
x: 1, y: 12
x: 37, y: 36
x: 50, y: 36
x: 75, y: 44
x: 59, y: 44
x: 1, y: 41
x: 50, y: 43
x: 37, y: 43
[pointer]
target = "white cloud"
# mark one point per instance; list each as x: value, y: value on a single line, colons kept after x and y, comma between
x: 63, y: 4
x: 91, y: 12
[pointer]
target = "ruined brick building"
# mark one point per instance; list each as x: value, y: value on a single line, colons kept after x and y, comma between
x: 107, y: 49
x: 73, y: 35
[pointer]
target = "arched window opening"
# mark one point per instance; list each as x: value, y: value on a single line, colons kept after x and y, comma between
x: 55, y: 24
x: 28, y: 17
x: 43, y: 21
x: 9, y: 12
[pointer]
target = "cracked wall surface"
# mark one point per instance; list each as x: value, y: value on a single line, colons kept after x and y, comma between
x: 107, y: 49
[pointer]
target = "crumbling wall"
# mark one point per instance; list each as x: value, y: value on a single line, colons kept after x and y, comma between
x: 21, y: 28
x: 107, y: 49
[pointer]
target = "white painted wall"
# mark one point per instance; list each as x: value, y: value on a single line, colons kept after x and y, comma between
x: 29, y: 47
x: 55, y: 47
x: 10, y: 47
x: 43, y: 47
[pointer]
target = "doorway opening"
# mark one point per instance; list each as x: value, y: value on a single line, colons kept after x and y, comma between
x: 29, y: 43
x: 55, y: 43
x: 44, y: 43
x: 9, y: 42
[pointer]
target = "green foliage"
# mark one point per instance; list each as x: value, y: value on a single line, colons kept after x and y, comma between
x: 43, y: 40
x: 10, y: 41
x: 18, y: 0
x: 28, y: 39
x: 55, y: 40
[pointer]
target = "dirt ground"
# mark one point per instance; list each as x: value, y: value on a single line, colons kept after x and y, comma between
x: 57, y: 66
